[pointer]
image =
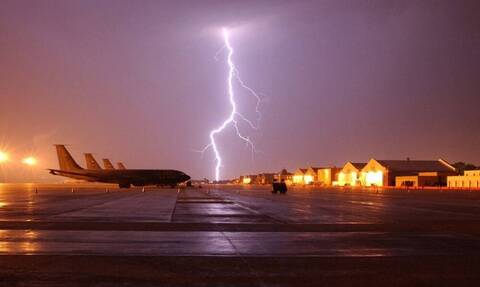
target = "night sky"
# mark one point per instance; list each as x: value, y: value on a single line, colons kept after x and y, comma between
x: 138, y: 81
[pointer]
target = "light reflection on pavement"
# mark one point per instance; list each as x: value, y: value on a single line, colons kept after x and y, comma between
x: 232, y: 222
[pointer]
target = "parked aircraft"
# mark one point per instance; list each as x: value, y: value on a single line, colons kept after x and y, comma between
x: 123, y: 177
x: 91, y: 162
x: 107, y: 163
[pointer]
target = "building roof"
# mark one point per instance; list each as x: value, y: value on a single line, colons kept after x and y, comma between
x: 285, y: 172
x: 267, y: 174
x: 358, y: 165
x: 416, y: 165
x: 302, y: 170
x: 316, y: 169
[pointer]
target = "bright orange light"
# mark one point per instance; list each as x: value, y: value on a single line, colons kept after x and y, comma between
x: 298, y: 178
x: 29, y: 161
x: 353, y: 178
x: 308, y: 179
x: 3, y: 156
x: 341, y: 179
x: 374, y: 178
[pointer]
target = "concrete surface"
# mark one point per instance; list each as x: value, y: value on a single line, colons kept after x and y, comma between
x: 98, y: 235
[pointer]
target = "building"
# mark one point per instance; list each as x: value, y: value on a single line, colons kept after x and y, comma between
x: 316, y: 175
x: 311, y: 175
x: 265, y: 178
x: 469, y: 179
x: 248, y: 179
x: 321, y: 175
x: 298, y: 176
x: 349, y: 175
x: 327, y: 176
x: 285, y: 176
x: 384, y: 172
x: 420, y: 180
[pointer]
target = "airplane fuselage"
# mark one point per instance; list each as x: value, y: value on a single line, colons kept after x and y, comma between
x: 122, y: 177
x: 126, y: 177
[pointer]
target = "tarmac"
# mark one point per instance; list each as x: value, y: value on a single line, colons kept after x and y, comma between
x: 99, y: 235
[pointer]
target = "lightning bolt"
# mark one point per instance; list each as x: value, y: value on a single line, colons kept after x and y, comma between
x: 234, y: 115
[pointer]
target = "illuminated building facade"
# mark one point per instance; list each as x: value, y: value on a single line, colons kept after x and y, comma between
x: 401, y: 173
x: 327, y: 176
x: 248, y: 179
x: 311, y: 175
x: 349, y: 175
x: 422, y: 179
x: 323, y: 176
x: 469, y: 179
x: 298, y: 176
x: 285, y: 176
x: 385, y: 172
x: 265, y: 178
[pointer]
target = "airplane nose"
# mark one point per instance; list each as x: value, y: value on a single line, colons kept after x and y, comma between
x: 186, y: 177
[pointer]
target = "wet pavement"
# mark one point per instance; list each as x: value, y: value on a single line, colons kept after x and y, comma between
x: 236, y: 236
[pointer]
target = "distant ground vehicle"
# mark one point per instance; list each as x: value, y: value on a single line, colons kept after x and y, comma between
x: 279, y: 187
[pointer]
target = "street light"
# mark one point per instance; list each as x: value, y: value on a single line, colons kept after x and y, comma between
x: 3, y: 157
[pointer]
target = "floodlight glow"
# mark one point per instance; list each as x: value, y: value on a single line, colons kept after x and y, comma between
x: 308, y: 179
x: 298, y: 179
x: 3, y: 156
x: 31, y: 161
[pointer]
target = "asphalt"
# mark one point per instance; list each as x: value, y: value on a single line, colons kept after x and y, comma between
x: 98, y: 235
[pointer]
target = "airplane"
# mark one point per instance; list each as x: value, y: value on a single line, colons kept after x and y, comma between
x: 107, y: 163
x: 120, y: 165
x: 124, y: 178
x: 91, y: 162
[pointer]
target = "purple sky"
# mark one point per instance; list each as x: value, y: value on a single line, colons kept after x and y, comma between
x: 137, y: 81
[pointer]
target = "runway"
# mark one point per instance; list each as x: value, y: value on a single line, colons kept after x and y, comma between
x: 237, y: 236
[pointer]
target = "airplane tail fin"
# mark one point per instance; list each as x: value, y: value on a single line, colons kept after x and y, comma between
x: 65, y: 159
x: 107, y: 164
x: 91, y: 162
x: 120, y: 165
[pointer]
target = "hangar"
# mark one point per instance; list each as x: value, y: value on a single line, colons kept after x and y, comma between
x: 299, y: 176
x: 350, y: 174
x: 385, y: 172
